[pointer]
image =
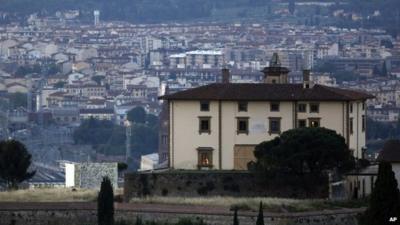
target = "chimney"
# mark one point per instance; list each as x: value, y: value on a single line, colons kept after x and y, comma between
x: 225, y: 76
x: 307, y: 78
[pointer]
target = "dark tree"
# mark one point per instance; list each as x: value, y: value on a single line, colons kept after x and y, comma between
x: 137, y: 115
x: 105, y: 203
x: 304, y: 150
x: 98, y: 79
x: 384, y: 69
x: 15, y: 161
x: 384, y: 201
x: 122, y: 166
x: 235, y: 217
x: 151, y: 120
x: 60, y: 84
x: 17, y: 100
x: 260, y: 216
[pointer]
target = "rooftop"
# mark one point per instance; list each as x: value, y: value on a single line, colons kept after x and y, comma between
x: 267, y: 92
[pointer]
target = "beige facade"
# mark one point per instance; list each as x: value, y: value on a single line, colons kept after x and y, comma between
x: 217, y: 126
x: 231, y: 149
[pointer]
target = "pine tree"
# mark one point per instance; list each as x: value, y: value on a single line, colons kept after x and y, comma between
x: 384, y: 201
x: 235, y: 217
x: 105, y: 203
x: 260, y: 217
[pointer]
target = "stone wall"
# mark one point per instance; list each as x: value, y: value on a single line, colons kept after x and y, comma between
x: 88, y: 217
x: 222, y: 183
x: 90, y: 175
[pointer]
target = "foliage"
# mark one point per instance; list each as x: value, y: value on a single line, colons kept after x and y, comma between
x: 144, y: 131
x: 17, y: 100
x: 260, y: 216
x: 382, y: 130
x: 235, y: 217
x: 60, y: 84
x: 129, y: 10
x: 384, y: 200
x: 304, y: 150
x: 105, y: 203
x: 137, y: 115
x: 122, y: 166
x: 340, y: 75
x: 25, y: 70
x: 103, y: 134
x: 46, y: 68
x: 98, y: 79
x: 389, y: 19
x: 15, y: 161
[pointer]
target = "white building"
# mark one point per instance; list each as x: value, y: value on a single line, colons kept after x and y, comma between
x: 217, y: 126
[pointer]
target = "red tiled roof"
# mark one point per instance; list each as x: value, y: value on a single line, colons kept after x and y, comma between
x: 267, y: 92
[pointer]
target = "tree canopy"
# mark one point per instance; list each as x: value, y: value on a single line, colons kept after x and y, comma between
x: 304, y: 150
x: 15, y: 161
x: 105, y: 203
x: 384, y: 201
x: 104, y: 135
x: 137, y: 115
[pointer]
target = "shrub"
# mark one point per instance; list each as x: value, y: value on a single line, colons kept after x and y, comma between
x: 385, y: 198
x: 105, y: 203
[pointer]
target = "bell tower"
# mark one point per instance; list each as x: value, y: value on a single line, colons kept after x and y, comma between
x: 275, y: 73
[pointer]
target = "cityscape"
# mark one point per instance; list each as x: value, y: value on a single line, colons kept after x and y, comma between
x: 200, y: 112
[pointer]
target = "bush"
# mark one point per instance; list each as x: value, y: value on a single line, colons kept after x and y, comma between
x: 385, y: 198
x: 105, y: 203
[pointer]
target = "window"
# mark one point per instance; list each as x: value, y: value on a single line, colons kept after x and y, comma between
x: 274, y: 107
x: 204, y: 124
x: 364, y: 123
x: 351, y: 125
x: 204, y: 157
x: 314, y: 122
x: 274, y: 125
x: 302, y: 107
x: 301, y: 123
x: 351, y: 107
x: 204, y: 106
x: 242, y: 106
x: 363, y: 106
x: 314, y: 108
x: 243, y: 125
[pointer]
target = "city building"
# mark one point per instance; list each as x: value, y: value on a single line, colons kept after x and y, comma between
x: 217, y: 126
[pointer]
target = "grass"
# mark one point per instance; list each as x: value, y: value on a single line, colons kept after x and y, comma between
x: 242, y: 203
x: 50, y: 195
x: 252, y: 204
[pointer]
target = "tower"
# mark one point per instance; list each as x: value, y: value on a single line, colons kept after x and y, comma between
x: 96, y: 14
x: 275, y: 73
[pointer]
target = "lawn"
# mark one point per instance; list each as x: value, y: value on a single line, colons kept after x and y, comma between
x: 49, y: 195
x: 252, y: 204
x: 242, y: 203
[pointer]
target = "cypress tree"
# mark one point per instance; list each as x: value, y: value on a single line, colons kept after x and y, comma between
x: 384, y: 201
x: 105, y: 203
x: 260, y: 217
x: 235, y: 217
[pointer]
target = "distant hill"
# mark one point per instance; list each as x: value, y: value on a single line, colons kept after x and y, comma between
x: 129, y: 10
x: 155, y: 11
